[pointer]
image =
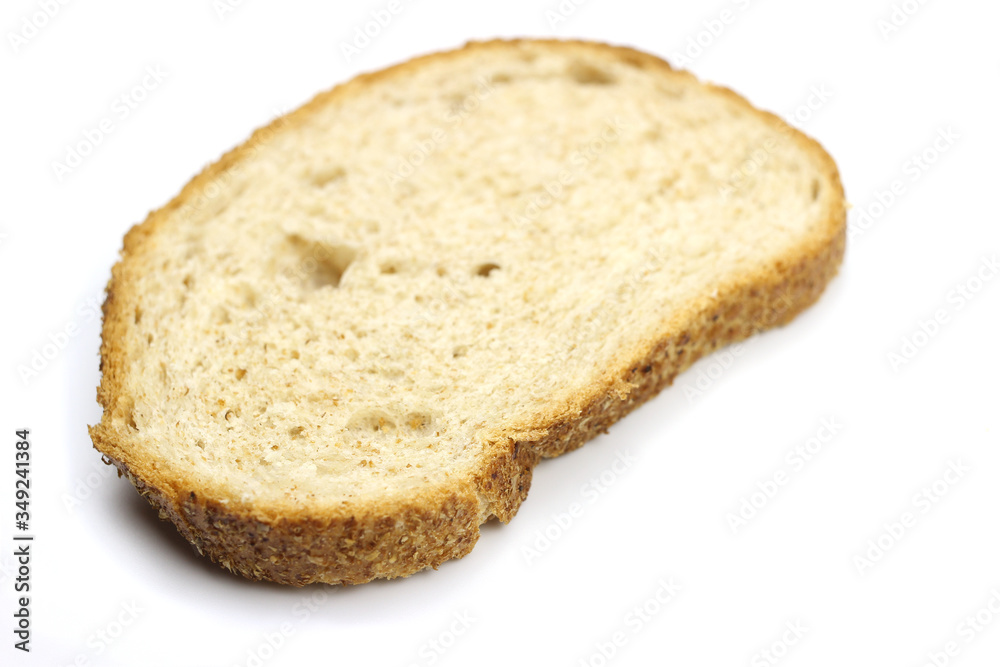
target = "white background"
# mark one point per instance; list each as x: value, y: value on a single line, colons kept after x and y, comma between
x: 103, y: 563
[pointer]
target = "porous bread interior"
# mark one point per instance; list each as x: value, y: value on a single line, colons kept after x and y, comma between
x: 349, y: 313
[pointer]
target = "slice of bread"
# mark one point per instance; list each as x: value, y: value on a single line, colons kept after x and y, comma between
x: 344, y: 346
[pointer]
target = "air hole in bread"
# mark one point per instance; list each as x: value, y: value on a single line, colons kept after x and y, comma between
x: 248, y: 295
x: 194, y: 249
x: 419, y: 421
x: 322, y: 264
x: 500, y: 77
x: 388, y: 269
x: 371, y: 421
x: 815, y: 190
x: 124, y: 411
x: 485, y: 270
x: 296, y: 431
x: 331, y: 266
x: 326, y: 175
x: 586, y: 74
x: 459, y: 351
x: 666, y: 183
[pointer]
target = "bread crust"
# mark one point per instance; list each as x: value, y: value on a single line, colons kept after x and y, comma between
x: 394, y: 538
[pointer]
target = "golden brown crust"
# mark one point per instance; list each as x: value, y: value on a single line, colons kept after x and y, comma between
x: 302, y: 550
x: 355, y: 545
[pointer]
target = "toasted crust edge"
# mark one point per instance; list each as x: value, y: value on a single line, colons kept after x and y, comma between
x: 399, y: 539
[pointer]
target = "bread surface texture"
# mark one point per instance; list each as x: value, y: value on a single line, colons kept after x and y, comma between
x: 345, y: 345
